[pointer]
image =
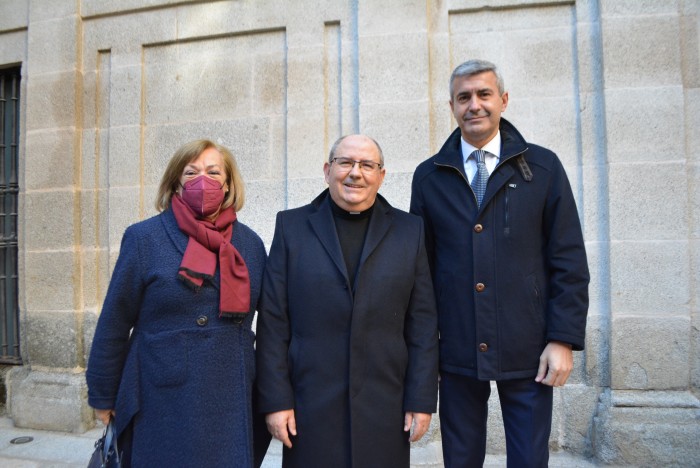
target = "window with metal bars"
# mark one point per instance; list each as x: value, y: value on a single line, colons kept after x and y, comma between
x: 9, y: 190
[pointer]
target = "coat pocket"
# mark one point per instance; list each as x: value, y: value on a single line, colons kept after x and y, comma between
x: 536, y: 301
x: 165, y: 359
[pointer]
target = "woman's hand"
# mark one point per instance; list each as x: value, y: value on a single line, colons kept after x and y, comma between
x: 104, y: 415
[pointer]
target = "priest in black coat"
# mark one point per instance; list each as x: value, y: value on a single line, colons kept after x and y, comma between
x: 347, y: 351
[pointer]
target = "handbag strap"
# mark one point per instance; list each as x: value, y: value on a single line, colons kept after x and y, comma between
x: 111, y: 443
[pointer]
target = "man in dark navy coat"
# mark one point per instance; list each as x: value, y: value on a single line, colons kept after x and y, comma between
x: 510, y: 273
x: 347, y: 347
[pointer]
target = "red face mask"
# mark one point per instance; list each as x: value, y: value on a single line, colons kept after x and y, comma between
x: 203, y: 194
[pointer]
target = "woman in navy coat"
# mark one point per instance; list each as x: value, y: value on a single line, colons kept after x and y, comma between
x: 172, y: 359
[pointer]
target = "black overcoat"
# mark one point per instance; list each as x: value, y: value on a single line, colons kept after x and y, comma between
x: 349, y: 364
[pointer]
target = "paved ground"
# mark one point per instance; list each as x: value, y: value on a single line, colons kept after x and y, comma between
x: 62, y: 450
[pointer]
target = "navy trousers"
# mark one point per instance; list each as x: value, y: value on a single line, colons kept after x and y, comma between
x: 527, y: 417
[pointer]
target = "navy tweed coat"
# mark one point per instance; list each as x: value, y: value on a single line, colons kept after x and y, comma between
x: 164, y: 360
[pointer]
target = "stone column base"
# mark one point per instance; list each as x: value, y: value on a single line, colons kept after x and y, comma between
x: 54, y: 401
x: 647, y: 428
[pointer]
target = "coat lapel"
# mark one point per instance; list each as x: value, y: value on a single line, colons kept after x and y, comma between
x: 324, y: 227
x: 496, y: 182
x: 512, y: 144
x: 378, y: 227
x: 451, y: 154
x: 178, y: 238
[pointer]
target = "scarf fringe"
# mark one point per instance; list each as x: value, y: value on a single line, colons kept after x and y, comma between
x: 237, y: 317
x: 196, y: 274
x: 189, y: 283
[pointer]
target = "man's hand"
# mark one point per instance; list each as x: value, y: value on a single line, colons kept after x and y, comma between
x: 420, y: 423
x: 556, y: 364
x: 281, y: 424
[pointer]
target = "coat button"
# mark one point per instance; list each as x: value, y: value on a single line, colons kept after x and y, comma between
x: 478, y: 228
x: 202, y: 320
x: 480, y: 287
x: 483, y: 347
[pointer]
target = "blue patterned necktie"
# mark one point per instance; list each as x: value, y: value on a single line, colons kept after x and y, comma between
x: 481, y: 177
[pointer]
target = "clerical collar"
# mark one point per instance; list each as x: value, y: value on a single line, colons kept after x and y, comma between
x: 338, y: 211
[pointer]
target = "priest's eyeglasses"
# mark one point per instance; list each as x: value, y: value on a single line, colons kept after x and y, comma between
x: 346, y: 165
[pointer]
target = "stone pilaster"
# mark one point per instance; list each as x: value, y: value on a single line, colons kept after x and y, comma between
x: 650, y: 416
x: 48, y: 392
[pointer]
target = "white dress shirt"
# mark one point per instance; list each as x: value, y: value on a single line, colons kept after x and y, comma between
x: 493, y: 154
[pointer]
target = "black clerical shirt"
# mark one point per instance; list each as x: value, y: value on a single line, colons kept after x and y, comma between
x: 351, y: 229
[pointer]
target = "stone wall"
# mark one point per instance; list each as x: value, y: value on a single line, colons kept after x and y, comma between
x: 111, y: 88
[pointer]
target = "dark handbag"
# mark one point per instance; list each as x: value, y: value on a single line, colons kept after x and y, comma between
x: 106, y: 454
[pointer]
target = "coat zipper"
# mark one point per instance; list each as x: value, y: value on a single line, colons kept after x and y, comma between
x: 506, y: 229
x: 500, y: 162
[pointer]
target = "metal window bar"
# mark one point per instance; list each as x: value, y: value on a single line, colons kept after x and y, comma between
x: 9, y: 190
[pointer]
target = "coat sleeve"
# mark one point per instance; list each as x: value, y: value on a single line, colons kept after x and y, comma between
x: 420, y: 333
x: 567, y: 305
x: 273, y: 330
x: 119, y: 313
x: 417, y: 208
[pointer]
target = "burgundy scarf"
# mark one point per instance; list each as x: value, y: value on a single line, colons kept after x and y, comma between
x: 199, y: 262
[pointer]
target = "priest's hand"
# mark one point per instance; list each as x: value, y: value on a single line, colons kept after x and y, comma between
x: 281, y: 425
x: 420, y: 423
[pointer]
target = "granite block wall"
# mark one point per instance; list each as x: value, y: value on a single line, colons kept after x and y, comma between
x: 111, y: 88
